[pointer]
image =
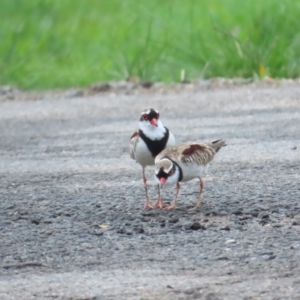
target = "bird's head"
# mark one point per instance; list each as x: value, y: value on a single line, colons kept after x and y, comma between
x: 150, y: 116
x: 166, y: 172
x: 151, y: 125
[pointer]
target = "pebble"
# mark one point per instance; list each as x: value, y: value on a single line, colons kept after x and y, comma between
x: 277, y: 225
x: 230, y: 241
x: 140, y: 230
x: 227, y: 228
x: 264, y: 215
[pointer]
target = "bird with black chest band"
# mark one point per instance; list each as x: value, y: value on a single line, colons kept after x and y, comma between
x: 147, y: 142
x: 185, y: 162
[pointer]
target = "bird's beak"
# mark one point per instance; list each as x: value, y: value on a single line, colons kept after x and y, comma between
x: 162, y: 180
x: 154, y: 122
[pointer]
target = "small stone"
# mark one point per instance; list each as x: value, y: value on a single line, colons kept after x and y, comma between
x: 295, y: 223
x: 21, y: 212
x: 231, y: 241
x: 48, y: 232
x: 267, y: 253
x: 243, y: 218
x: 275, y: 210
x: 227, y: 228
x: 271, y: 257
x: 277, y: 225
x: 264, y: 222
x: 222, y: 213
x: 264, y: 215
x: 197, y: 226
x: 174, y: 220
x: 254, y: 214
x: 96, y: 232
x: 48, y: 221
x: 222, y: 258
x: 35, y: 221
x: 121, y: 230
x: 294, y: 148
x: 140, y: 229
x: 238, y: 212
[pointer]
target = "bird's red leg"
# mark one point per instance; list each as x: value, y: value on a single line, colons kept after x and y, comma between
x: 173, y: 204
x: 159, y: 203
x: 148, y: 204
x: 200, y: 194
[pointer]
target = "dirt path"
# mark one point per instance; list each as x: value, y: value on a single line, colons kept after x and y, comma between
x: 71, y: 200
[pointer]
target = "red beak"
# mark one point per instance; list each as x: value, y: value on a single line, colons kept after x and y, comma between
x: 153, y: 122
x: 162, y: 180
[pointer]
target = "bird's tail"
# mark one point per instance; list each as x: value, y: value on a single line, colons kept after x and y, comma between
x: 217, y: 145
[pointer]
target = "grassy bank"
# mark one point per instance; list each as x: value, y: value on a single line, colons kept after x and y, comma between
x: 49, y: 44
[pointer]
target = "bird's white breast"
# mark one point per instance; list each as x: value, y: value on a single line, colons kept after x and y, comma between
x: 142, y: 154
x: 171, y: 139
x: 153, y: 132
x: 191, y: 171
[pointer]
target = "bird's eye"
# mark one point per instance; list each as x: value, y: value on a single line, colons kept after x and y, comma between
x: 171, y: 173
x: 145, y: 117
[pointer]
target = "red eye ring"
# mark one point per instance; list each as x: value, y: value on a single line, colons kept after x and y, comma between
x: 145, y: 117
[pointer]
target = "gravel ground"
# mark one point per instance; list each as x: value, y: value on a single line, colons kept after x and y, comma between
x: 72, y: 218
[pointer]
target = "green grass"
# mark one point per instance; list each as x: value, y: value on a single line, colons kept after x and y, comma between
x: 50, y: 43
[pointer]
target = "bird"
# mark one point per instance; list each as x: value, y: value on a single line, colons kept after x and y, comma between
x: 147, y: 142
x: 185, y: 162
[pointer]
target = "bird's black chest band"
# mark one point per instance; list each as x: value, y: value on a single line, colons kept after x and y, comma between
x: 155, y: 146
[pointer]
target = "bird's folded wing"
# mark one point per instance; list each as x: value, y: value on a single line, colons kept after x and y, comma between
x: 200, y: 154
x: 133, y: 141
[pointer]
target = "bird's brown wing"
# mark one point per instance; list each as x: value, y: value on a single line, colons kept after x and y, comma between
x: 133, y: 141
x: 197, y: 153
x: 200, y: 154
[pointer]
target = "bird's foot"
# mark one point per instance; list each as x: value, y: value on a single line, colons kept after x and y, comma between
x: 170, y: 207
x: 194, y: 208
x: 160, y: 203
x: 148, y: 204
